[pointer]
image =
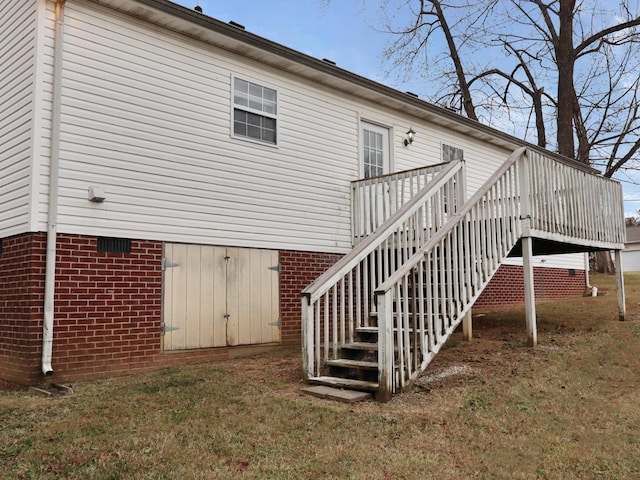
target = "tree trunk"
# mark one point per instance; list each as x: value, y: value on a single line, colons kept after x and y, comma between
x: 565, y: 60
x: 467, y: 100
x: 604, y: 263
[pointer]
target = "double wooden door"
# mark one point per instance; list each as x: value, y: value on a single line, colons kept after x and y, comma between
x: 219, y: 296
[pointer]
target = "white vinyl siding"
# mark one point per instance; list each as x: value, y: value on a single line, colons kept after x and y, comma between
x: 146, y: 116
x: 17, y: 71
x: 631, y: 258
x: 570, y: 261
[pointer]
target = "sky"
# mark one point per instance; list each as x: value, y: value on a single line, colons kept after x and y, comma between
x: 348, y: 32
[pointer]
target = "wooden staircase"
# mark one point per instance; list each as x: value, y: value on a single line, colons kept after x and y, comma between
x: 356, y: 367
x: 375, y: 320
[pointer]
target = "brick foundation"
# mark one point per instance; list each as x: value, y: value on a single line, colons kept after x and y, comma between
x: 507, y: 286
x: 22, y: 265
x: 298, y: 270
x: 108, y: 306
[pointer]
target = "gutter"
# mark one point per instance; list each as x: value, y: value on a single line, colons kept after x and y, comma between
x: 54, y: 176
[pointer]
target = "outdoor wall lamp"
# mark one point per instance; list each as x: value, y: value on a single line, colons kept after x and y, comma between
x: 409, y: 137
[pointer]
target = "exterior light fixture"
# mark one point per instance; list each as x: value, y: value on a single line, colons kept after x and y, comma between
x: 409, y: 137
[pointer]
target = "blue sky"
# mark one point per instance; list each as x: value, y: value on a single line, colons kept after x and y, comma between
x: 347, y: 32
x: 340, y: 30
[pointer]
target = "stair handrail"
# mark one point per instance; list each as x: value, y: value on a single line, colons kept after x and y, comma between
x: 321, y: 296
x: 383, y: 195
x: 387, y: 376
x: 453, y: 220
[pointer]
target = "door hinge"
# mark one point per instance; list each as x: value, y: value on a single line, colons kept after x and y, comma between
x: 167, y: 328
x: 167, y: 264
x: 277, y: 323
x: 276, y: 268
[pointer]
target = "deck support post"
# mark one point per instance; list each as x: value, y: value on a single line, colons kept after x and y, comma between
x: 622, y: 308
x: 529, y: 292
x: 467, y: 326
x: 385, y: 346
x: 308, y: 368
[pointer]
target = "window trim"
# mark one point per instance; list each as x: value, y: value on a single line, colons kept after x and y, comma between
x: 256, y: 112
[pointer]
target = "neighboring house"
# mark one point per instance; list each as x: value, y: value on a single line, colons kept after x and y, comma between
x: 631, y: 252
x: 171, y: 183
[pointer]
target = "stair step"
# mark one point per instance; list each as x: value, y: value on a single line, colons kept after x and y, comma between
x: 361, y: 364
x: 361, y: 346
x: 345, y: 383
x: 338, y: 394
x: 367, y: 329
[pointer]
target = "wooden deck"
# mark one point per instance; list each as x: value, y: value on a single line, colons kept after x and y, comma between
x: 424, y: 255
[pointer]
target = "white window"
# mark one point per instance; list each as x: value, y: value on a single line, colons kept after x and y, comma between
x: 255, y: 110
x: 375, y: 150
x: 450, y: 153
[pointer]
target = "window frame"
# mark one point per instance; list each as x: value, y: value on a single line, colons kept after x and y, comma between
x: 254, y: 111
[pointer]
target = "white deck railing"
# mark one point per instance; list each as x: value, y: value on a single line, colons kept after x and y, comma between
x: 341, y: 299
x: 427, y: 263
x: 568, y: 204
x: 424, y: 301
x: 374, y: 200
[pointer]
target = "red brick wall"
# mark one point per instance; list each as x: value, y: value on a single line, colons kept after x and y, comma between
x: 22, y: 266
x: 107, y: 308
x: 298, y: 269
x: 108, y: 305
x: 507, y: 286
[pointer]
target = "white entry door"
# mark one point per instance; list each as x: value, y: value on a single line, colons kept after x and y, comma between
x: 219, y: 296
x: 375, y: 162
x: 375, y: 150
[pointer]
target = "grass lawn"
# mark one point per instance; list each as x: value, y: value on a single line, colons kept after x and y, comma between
x: 490, y: 408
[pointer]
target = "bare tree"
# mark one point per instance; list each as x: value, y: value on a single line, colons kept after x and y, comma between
x: 571, y: 64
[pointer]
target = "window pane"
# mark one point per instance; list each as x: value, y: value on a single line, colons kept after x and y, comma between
x: 269, y: 107
x: 254, y: 132
x: 241, y: 85
x: 269, y: 123
x: 255, y: 90
x: 269, y: 94
x: 255, y: 104
x: 239, y: 115
x: 240, y: 98
x: 254, y: 119
x: 269, y: 135
x: 450, y: 153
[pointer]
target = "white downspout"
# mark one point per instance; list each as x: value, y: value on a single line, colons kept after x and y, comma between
x: 54, y: 164
x: 594, y: 290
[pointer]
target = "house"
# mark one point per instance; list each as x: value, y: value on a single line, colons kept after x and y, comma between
x: 631, y: 252
x: 171, y: 184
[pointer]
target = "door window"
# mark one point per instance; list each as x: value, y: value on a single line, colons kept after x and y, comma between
x: 375, y: 150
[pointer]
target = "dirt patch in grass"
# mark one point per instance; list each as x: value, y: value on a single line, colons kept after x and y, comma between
x: 491, y: 408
